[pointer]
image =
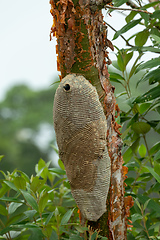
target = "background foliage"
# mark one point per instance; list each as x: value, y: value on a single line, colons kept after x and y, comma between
x: 41, y: 206
x: 26, y: 122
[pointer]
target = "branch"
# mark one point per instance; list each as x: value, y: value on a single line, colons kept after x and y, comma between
x: 139, y: 3
x: 127, y: 9
x: 127, y: 43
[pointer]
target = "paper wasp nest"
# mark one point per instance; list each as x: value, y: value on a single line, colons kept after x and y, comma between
x: 81, y: 127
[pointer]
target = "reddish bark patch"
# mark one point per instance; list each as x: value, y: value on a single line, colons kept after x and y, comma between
x: 71, y: 25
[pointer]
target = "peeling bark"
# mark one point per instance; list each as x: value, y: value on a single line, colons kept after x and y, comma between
x: 82, y: 48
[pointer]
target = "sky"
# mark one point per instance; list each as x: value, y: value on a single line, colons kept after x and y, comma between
x: 26, y: 53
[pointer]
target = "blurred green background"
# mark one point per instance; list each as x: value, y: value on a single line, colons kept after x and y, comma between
x: 26, y: 128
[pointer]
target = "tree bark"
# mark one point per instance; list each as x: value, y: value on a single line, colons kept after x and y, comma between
x: 81, y: 48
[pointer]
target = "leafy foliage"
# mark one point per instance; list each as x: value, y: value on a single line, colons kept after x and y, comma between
x: 40, y: 206
x: 138, y: 96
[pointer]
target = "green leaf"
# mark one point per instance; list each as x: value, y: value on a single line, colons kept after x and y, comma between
x: 24, y: 175
x: 144, y: 107
x: 1, y: 156
x: 141, y: 37
x: 67, y: 216
x: 127, y: 27
x: 20, y: 182
x: 57, y: 170
x: 157, y: 156
x: 116, y: 76
x: 155, y: 225
x: 155, y: 148
x: 4, y: 188
x: 115, y: 80
x: 54, y: 235
x: 94, y: 236
x: 22, y: 236
x: 11, y: 185
x: 121, y: 94
x: 30, y: 213
x: 51, y: 177
x: 142, y: 151
x: 145, y: 49
x: 56, y: 212
x: 156, y: 38
x: 55, y: 149
x: 36, y: 184
x: 118, y: 3
x: 120, y: 61
x: 152, y: 76
x: 144, y: 177
x: 146, y: 204
x: 152, y: 205
x: 11, y: 199
x: 41, y: 164
x: 36, y: 234
x: 154, y: 62
x: 43, y: 201
x: 127, y: 155
x: 136, y: 217
x: 156, y: 14
x: 27, y: 225
x: 42, y: 169
x: 141, y: 127
x: 157, y: 168
x: 138, y: 204
x: 154, y: 174
x: 30, y: 199
x: 145, y: 16
x: 125, y: 133
x: 5, y: 230
x: 60, y: 163
x: 150, y: 95
x: 75, y: 237
x: 152, y: 4
x: 49, y: 218
x: 80, y: 229
x: 135, y: 145
x: 154, y: 31
x: 127, y: 58
x: 135, y: 65
x: 150, y: 49
x: 3, y: 210
x: 115, y: 64
x: 13, y: 207
x: 130, y: 16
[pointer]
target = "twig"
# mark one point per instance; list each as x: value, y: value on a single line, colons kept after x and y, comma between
x: 139, y: 3
x: 127, y: 43
x: 127, y: 9
x: 132, y: 4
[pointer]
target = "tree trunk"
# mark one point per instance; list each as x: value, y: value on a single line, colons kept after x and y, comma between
x: 81, y: 48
